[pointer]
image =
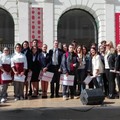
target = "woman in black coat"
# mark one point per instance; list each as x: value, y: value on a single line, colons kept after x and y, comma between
x: 111, y: 81
x: 27, y: 52
x: 35, y: 67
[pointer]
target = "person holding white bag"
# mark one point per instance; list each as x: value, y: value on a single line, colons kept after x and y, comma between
x: 45, y: 63
x: 5, y: 67
x: 69, y: 64
x: 97, y: 69
x: 19, y: 65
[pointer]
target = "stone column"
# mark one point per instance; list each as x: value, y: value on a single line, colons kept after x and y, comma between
x: 110, y: 23
x: 48, y: 20
x: 23, y: 14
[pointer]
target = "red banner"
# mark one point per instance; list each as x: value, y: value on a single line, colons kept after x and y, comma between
x: 36, y: 25
x: 117, y: 27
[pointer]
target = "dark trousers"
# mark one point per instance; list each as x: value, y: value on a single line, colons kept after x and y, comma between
x: 118, y: 81
x: 111, y: 82
x: 80, y: 77
x: 106, y: 81
x: 19, y: 89
x: 55, y: 80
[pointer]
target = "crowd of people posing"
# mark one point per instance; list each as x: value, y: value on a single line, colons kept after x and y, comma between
x: 103, y: 63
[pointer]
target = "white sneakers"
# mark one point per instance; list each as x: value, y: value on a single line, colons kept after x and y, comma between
x: 16, y: 99
x: 65, y: 98
x: 3, y: 100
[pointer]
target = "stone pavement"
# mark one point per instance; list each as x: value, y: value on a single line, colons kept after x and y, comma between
x: 50, y: 103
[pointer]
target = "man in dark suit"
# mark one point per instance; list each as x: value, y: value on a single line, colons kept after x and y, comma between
x: 55, y: 60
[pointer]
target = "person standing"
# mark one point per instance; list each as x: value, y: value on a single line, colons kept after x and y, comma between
x: 19, y: 65
x: 109, y: 47
x: 97, y: 69
x: 55, y: 60
x: 5, y: 67
x: 27, y: 52
x: 44, y: 60
x: 69, y: 64
x: 102, y: 54
x: 117, y: 67
x: 35, y: 68
x: 111, y: 83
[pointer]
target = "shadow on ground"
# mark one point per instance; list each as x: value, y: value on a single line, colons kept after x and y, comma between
x: 80, y: 113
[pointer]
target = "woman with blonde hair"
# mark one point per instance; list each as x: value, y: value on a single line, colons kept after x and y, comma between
x: 109, y: 59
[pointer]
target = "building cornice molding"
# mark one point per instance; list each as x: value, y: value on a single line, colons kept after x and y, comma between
x: 33, y: 1
x: 115, y: 2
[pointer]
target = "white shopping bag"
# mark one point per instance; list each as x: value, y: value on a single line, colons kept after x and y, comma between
x: 67, y: 80
x: 6, y: 76
x: 88, y: 79
x: 19, y: 78
x: 47, y: 76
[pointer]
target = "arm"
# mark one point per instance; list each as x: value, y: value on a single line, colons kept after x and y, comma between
x: 117, y: 63
x: 64, y: 64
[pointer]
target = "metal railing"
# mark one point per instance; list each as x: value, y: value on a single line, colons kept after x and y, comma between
x: 10, y: 46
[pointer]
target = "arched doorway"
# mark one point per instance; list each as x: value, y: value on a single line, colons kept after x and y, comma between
x: 6, y: 29
x: 79, y: 25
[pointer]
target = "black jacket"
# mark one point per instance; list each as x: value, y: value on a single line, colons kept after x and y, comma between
x: 28, y: 56
x: 45, y: 61
x: 60, y: 54
x: 111, y: 61
x: 117, y: 63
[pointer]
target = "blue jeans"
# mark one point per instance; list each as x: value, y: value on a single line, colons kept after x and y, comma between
x: 100, y: 81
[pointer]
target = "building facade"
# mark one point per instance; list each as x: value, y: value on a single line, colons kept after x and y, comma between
x: 86, y: 21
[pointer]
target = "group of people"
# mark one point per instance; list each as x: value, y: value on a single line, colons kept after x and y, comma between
x: 102, y: 63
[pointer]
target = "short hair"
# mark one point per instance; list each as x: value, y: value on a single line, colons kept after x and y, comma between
x: 55, y: 41
x: 74, y: 41
x: 45, y: 45
x: 70, y: 45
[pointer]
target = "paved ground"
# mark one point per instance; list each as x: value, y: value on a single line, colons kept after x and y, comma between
x: 57, y: 109
x: 49, y: 102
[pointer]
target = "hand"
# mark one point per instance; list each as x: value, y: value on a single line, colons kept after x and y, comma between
x: 22, y: 73
x: 59, y: 70
x: 45, y: 69
x: 16, y: 73
x: 67, y: 74
x: 74, y: 65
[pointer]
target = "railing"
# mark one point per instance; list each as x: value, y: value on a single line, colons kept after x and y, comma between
x: 10, y: 46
